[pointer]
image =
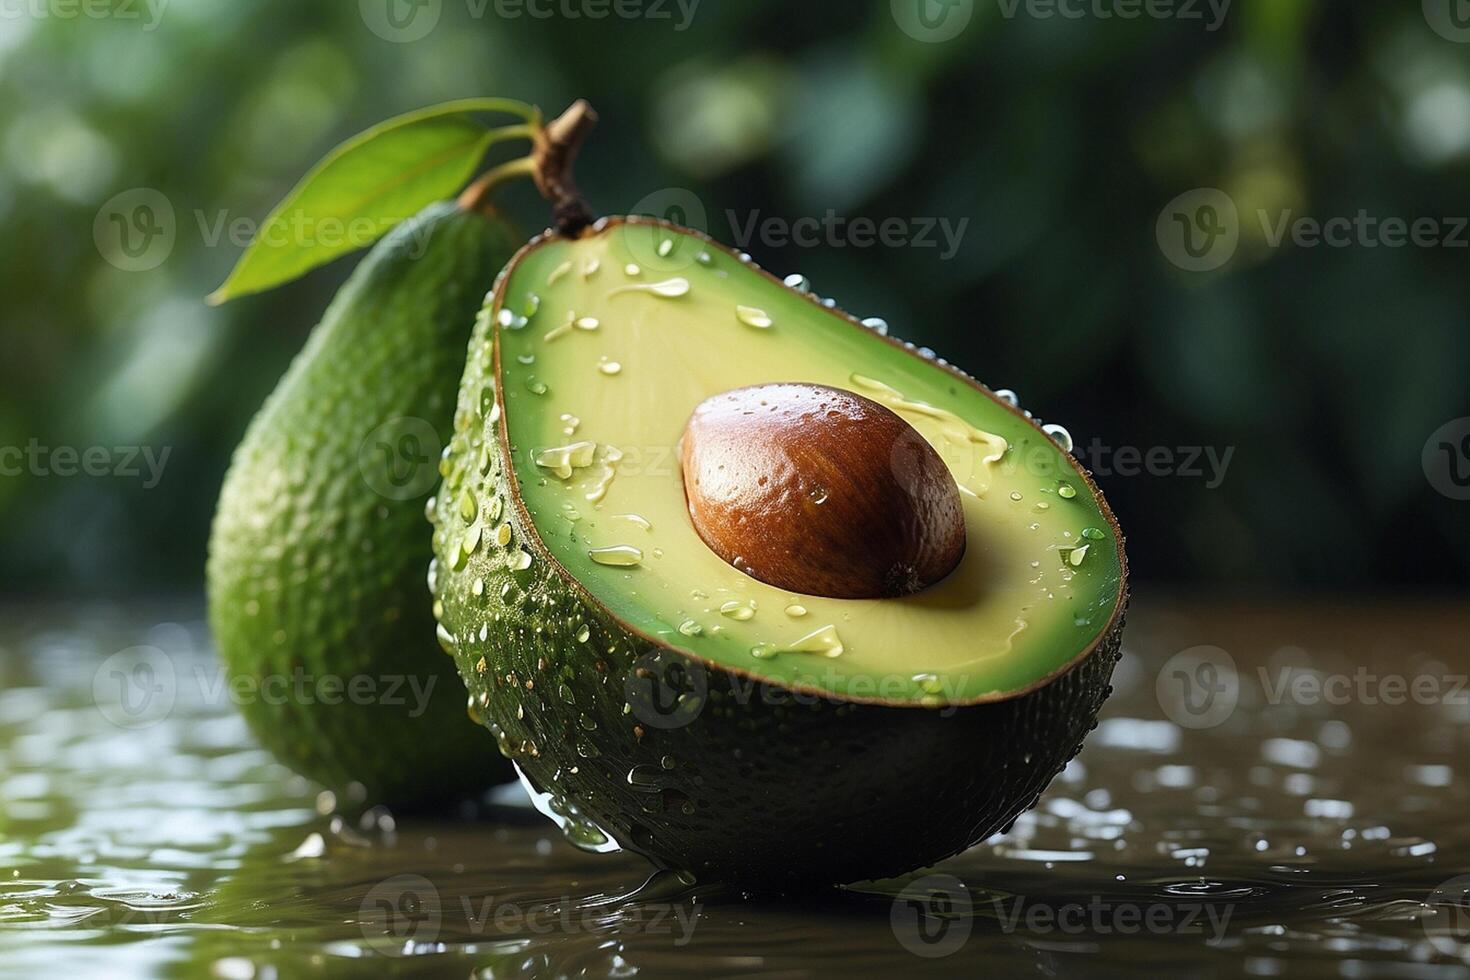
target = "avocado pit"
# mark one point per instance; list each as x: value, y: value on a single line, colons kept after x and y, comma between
x: 820, y: 491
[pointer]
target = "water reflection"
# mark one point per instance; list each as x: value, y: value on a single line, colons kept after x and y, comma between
x: 1291, y: 838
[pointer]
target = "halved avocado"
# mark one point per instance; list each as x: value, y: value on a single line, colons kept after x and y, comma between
x: 661, y: 700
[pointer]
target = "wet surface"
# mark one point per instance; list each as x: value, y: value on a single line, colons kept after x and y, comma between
x: 1290, y: 800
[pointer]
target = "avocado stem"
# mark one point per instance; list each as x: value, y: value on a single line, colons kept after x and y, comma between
x: 476, y: 197
x: 556, y: 147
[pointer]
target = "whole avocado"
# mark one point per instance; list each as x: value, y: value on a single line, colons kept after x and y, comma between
x: 318, y: 551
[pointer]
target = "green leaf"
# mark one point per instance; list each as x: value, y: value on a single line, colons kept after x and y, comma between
x: 366, y: 186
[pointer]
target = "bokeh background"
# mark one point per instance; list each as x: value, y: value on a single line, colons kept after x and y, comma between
x: 1321, y: 370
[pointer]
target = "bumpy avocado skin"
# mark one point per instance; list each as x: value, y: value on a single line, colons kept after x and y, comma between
x: 736, y: 780
x: 318, y: 551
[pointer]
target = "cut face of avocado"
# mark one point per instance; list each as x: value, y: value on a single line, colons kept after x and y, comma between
x: 597, y: 384
x: 657, y: 699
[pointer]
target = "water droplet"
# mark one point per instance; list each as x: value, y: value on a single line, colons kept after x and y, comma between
x: 798, y: 282
x: 431, y: 510
x: 569, y: 424
x: 642, y: 522
x: 690, y: 628
x: 562, y: 460
x: 535, y: 385
x: 796, y: 610
x: 588, y: 323
x: 739, y: 610
x: 1015, y: 495
x: 877, y: 324
x: 618, y: 555
x: 478, y: 587
x: 667, y: 289
x: 665, y: 247
x: 1059, y: 435
x: 446, y: 639
x: 521, y: 561
x: 558, y: 272
x: 1075, y: 556
x: 502, y: 535
x: 583, y: 634
x: 526, y: 358
x: 492, y: 513
x: 467, y: 507
x: 704, y: 258
x: 631, y: 270
x: 609, y: 368
x: 531, y: 305
x: 753, y: 317
x: 1008, y: 396
x: 929, y: 683
x: 817, y: 495
x: 1092, y: 534
x: 1066, y: 491
x: 471, y: 542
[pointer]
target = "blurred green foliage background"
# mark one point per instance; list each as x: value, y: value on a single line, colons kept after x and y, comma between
x: 1322, y: 369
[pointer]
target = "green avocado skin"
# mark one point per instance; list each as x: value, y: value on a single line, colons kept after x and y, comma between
x: 697, y: 768
x: 318, y: 551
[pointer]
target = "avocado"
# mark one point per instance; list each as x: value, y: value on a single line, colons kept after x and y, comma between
x: 318, y: 550
x: 639, y: 401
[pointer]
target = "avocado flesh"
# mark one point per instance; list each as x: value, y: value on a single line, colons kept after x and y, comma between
x: 1015, y: 611
x: 761, y: 781
x: 317, y: 555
